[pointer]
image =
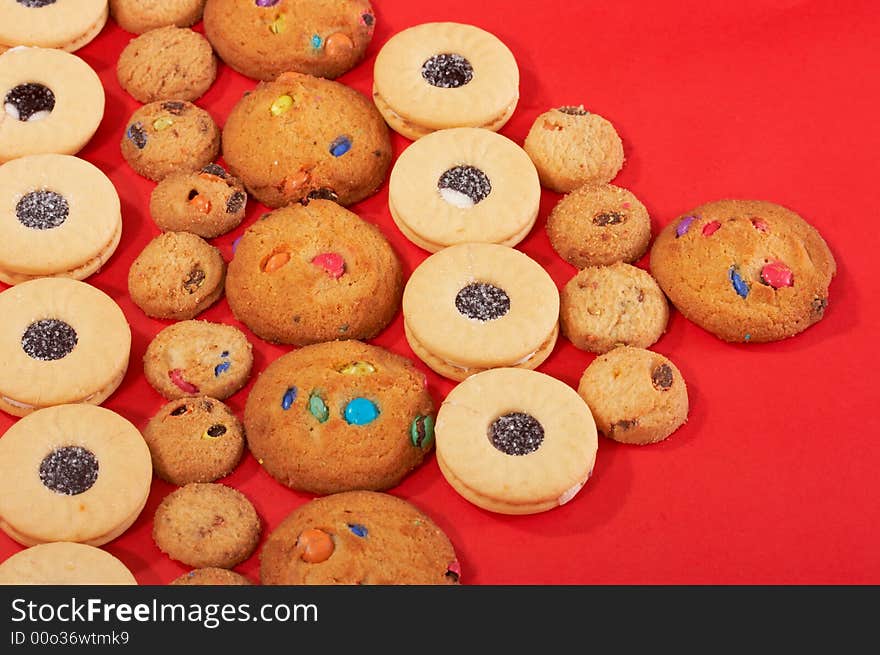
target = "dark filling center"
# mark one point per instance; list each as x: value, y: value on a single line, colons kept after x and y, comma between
x: 29, y: 100
x: 482, y: 301
x: 42, y: 210
x: 447, y: 71
x: 235, y: 202
x: 608, y: 218
x: 35, y: 4
x: 70, y: 470
x: 516, y: 433
x: 217, y: 430
x: 48, y: 339
x: 573, y: 111
x: 466, y: 180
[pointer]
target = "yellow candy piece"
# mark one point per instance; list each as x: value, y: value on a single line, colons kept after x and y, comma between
x: 358, y: 368
x: 162, y: 123
x: 278, y: 25
x: 281, y: 105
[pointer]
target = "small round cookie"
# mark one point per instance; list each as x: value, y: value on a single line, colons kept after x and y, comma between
x: 165, y: 137
x: 571, y: 147
x: 63, y: 24
x: 358, y: 537
x: 207, y: 525
x: 209, y: 202
x: 176, y: 276
x: 59, y: 217
x: 302, y: 137
x: 194, y: 440
x: 464, y: 185
x: 61, y: 341
x: 305, y: 274
x: 440, y: 75
x: 139, y: 16
x: 745, y: 270
x: 64, y: 563
x: 603, y: 307
x: 339, y: 416
x: 52, y: 102
x: 264, y: 38
x: 212, y: 576
x: 476, y: 306
x: 636, y: 396
x: 72, y: 473
x: 598, y: 225
x: 167, y: 63
x: 515, y: 441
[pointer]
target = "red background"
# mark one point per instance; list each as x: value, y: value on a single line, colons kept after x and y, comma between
x: 773, y: 478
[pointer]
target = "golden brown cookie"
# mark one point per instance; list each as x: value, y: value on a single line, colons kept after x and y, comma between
x: 167, y: 63
x: 745, y: 270
x: 64, y: 563
x: 207, y: 525
x: 302, y: 137
x: 211, y: 576
x: 316, y: 273
x: 176, y: 276
x: 358, y: 537
x: 636, y: 396
x: 139, y: 16
x: 168, y: 136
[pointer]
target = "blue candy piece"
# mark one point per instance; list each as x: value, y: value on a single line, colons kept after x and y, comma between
x: 361, y: 411
x: 137, y: 135
x: 739, y: 285
x: 289, y: 398
x: 358, y: 529
x: 340, y: 146
x: 222, y: 367
x: 317, y: 41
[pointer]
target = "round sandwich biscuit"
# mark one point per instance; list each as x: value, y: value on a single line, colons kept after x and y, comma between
x: 439, y: 75
x: 63, y: 24
x: 515, y: 441
x: 358, y: 537
x: 464, y: 185
x: 61, y: 341
x: 72, y: 473
x: 477, y: 306
x: 59, y: 217
x: 211, y: 576
x: 64, y: 563
x: 139, y: 16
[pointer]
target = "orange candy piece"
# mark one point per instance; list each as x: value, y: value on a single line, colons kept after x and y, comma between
x: 316, y: 545
x: 293, y: 183
x: 338, y: 44
x: 201, y: 203
x: 275, y: 261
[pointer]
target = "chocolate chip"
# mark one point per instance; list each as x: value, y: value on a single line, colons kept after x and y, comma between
x: 215, y: 169
x: 29, y: 101
x: 516, y: 433
x: 48, y: 339
x: 468, y: 181
x: 452, y: 575
x: 608, y: 218
x: 571, y: 110
x: 174, y: 107
x: 217, y: 430
x: 447, y: 71
x: 70, y: 470
x: 623, y: 426
x: 42, y: 210
x: 137, y: 135
x: 35, y: 4
x: 482, y: 302
x: 819, y: 305
x: 320, y: 194
x: 192, y: 195
x: 179, y: 411
x: 208, y: 405
x: 195, y: 279
x: 235, y: 203
x: 661, y: 377
x: 367, y: 18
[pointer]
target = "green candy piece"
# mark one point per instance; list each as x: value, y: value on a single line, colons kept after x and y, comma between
x: 421, y: 432
x: 358, y: 368
x: 318, y: 408
x: 281, y: 105
x: 162, y: 123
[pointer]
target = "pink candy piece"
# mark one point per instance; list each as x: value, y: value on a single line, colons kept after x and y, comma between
x: 454, y: 567
x: 332, y: 263
x: 176, y: 376
x: 711, y: 228
x: 777, y: 275
x: 760, y: 225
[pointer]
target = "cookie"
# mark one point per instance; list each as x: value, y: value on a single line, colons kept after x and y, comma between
x: 169, y: 136
x: 64, y: 24
x: 63, y: 563
x: 265, y: 38
x: 636, y: 396
x: 598, y: 225
x: 167, y: 63
x: 53, y: 102
x: 59, y: 217
x: 211, y: 576
x: 208, y: 202
x: 440, y: 75
x: 194, y: 440
x: 303, y: 275
x: 603, y: 307
x: 206, y: 525
x: 176, y: 276
x: 61, y: 341
x: 139, y: 16
x: 340, y: 416
x: 464, y: 185
x: 515, y: 441
x: 745, y: 270
x: 358, y: 537
x: 72, y: 473
x: 302, y: 137
x: 572, y: 147
x: 476, y: 306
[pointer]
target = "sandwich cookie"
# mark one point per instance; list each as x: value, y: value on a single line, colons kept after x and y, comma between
x: 61, y: 341
x: 72, y: 473
x: 52, y: 102
x: 64, y: 563
x: 515, y: 441
x: 439, y: 75
x: 59, y: 217
x: 63, y: 24
x: 464, y: 185
x: 477, y: 306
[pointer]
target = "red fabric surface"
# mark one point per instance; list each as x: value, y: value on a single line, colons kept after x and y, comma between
x: 773, y: 478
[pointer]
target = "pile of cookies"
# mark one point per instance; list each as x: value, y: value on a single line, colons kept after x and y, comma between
x: 337, y: 417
